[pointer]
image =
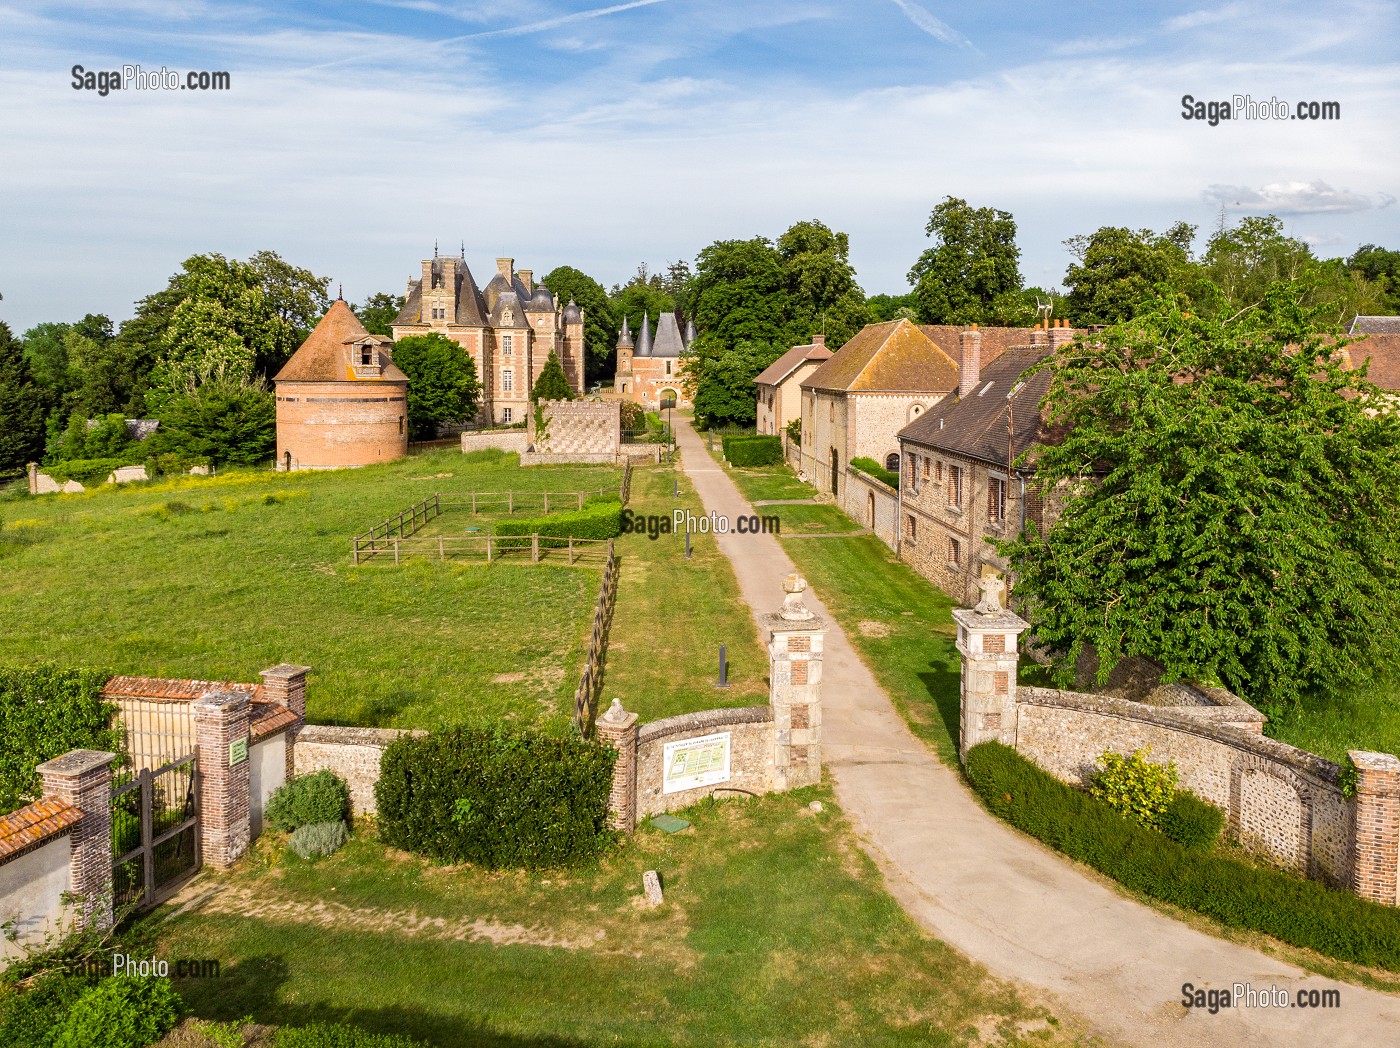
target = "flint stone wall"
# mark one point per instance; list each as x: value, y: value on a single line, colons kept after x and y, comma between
x: 750, y: 755
x: 352, y: 753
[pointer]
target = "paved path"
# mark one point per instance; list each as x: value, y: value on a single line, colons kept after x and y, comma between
x: 1002, y: 898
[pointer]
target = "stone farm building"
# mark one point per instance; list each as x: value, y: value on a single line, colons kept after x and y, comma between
x: 649, y: 370
x: 780, y: 385
x: 340, y: 399
x: 509, y: 328
x: 959, y: 487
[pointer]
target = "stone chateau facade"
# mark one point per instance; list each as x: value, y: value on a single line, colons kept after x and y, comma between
x: 650, y: 369
x: 509, y: 327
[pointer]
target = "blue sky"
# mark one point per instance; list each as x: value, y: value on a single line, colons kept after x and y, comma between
x: 606, y: 135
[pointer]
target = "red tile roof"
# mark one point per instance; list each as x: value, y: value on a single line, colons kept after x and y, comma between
x: 267, y: 718
x: 162, y: 689
x: 34, y: 824
x: 995, y: 340
x: 323, y: 356
x: 1383, y: 352
x: 785, y: 365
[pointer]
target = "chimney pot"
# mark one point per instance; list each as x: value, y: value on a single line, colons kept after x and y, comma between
x: 527, y: 277
x: 818, y: 340
x: 969, y: 360
x: 505, y: 267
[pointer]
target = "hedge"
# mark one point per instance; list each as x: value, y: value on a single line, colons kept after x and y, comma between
x: 121, y: 1012
x: 1300, y: 912
x: 86, y: 472
x: 871, y: 468
x: 597, y: 520
x: 46, y: 711
x: 319, y: 797
x: 496, y: 797
x: 749, y: 450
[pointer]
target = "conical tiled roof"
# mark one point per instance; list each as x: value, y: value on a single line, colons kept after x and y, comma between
x: 644, y: 339
x: 624, y: 337
x: 323, y: 357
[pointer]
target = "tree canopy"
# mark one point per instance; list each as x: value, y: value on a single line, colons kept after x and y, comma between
x: 442, y: 382
x: 1231, y: 500
x: 972, y: 273
x: 1116, y: 269
x: 23, y: 406
x: 552, y: 384
x: 377, y: 312
x: 600, y: 324
x: 721, y: 379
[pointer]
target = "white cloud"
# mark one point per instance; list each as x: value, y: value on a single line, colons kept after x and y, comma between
x: 1294, y: 198
x: 934, y: 27
x: 1205, y: 17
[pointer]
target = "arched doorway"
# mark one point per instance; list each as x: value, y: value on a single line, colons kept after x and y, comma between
x: 668, y: 398
x: 870, y: 509
x: 835, y: 469
x: 287, y: 462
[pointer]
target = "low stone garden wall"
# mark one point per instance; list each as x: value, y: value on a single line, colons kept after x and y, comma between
x: 352, y: 753
x: 495, y: 439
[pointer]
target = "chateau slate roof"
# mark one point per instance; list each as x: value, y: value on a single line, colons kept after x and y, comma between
x: 572, y: 313
x: 785, y: 365
x: 624, y: 337
x: 893, y: 357
x: 541, y: 301
x: 508, y: 300
x: 324, y: 358
x: 668, y: 341
x: 975, y: 426
x: 1374, y: 326
x: 644, y: 339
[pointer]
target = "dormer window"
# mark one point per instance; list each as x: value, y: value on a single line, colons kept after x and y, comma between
x: 508, y: 317
x: 366, y: 356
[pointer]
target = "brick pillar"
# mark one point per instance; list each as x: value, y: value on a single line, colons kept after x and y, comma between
x: 987, y: 637
x: 83, y: 778
x: 795, y: 645
x: 220, y: 724
x: 286, y: 686
x: 1376, y: 840
x: 618, y: 728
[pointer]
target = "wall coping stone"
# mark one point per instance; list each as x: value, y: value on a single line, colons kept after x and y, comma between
x: 1212, y: 725
x: 77, y: 762
x: 687, y: 722
x: 335, y: 735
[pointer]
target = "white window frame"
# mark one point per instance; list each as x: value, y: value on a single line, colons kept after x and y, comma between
x: 508, y: 380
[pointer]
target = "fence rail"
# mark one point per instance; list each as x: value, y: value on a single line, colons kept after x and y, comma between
x: 492, y: 548
x: 591, y: 681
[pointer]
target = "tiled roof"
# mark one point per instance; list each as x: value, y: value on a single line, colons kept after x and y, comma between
x: 785, y: 365
x: 995, y: 340
x: 34, y: 823
x: 1383, y: 352
x: 323, y: 357
x: 163, y: 689
x: 894, y: 357
x: 1374, y: 326
x: 975, y: 426
x: 668, y: 342
x: 268, y: 717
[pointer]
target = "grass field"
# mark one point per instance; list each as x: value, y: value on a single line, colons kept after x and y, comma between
x: 775, y: 930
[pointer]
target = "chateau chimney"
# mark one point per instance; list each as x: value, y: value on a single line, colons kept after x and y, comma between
x: 527, y: 277
x: 1039, y: 336
x: 818, y: 340
x: 1061, y: 333
x: 969, y: 360
x: 505, y: 267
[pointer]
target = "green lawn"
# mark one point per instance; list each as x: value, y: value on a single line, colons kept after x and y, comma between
x: 220, y: 577
x: 808, y: 520
x: 776, y: 930
x: 1368, y: 719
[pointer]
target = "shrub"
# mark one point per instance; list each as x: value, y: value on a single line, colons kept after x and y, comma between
x: 633, y: 417
x: 87, y: 472
x: 321, y: 796
x: 337, y: 1035
x: 597, y: 520
x: 1134, y: 786
x: 1191, y: 821
x: 794, y: 431
x: 1303, y: 913
x: 750, y: 450
x: 121, y: 1012
x: 29, y: 1019
x: 871, y: 468
x: 497, y: 797
x: 46, y: 711
x: 316, y: 840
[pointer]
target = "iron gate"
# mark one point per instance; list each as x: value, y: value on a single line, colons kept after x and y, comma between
x: 155, y: 832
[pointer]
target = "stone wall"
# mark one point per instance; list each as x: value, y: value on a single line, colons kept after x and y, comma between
x: 33, y: 881
x: 516, y: 440
x: 1279, y: 800
x: 872, y: 505
x: 750, y: 755
x: 352, y: 753
x: 579, y: 427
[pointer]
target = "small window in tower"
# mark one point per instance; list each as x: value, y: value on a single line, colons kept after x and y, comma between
x: 506, y: 414
x: 507, y: 380
x: 507, y: 344
x: 400, y: 425
x: 668, y: 367
x: 366, y: 356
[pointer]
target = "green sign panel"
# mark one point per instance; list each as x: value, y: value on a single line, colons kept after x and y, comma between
x: 237, y: 751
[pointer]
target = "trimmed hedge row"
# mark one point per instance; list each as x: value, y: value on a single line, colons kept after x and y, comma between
x: 496, y: 797
x: 871, y: 468
x: 45, y: 711
x: 85, y: 471
x: 601, y: 519
x: 1303, y: 913
x: 746, y: 449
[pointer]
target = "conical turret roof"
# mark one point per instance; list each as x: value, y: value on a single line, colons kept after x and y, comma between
x: 644, y: 339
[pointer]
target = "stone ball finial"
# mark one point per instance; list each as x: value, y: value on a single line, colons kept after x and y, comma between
x: 992, y: 588
x: 794, y: 610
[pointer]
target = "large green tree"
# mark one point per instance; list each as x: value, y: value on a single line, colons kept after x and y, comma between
x: 599, y: 323
x: 442, y: 382
x: 1115, y: 269
x: 722, y: 379
x: 972, y: 273
x: 225, y: 420
x: 23, y: 407
x: 377, y: 312
x: 1381, y: 266
x: 552, y: 384
x: 1232, y: 501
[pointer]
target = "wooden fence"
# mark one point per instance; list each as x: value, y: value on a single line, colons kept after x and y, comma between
x: 591, y: 681
x: 536, y: 547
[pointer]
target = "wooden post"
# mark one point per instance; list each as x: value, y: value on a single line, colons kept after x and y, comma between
x: 356, y: 543
x: 473, y: 502
x: 441, y: 556
x: 546, y: 502
x: 571, y: 549
x: 535, y: 548
x: 580, y: 500
x: 488, y: 549
x: 396, y: 551
x: 510, y: 502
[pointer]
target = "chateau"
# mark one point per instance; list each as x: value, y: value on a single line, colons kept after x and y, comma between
x: 649, y: 370
x: 508, y: 328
